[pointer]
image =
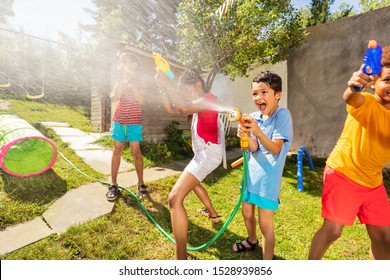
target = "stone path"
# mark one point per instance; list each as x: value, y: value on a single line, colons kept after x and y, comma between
x: 87, y: 202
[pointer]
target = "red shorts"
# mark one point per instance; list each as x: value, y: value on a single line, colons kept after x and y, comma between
x: 344, y: 199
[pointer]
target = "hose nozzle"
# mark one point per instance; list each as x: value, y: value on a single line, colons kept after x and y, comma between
x: 234, y: 116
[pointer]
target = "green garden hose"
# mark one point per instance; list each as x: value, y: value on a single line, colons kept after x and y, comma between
x: 202, y: 247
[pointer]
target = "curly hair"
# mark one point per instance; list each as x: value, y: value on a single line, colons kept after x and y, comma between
x: 272, y: 79
x: 386, y: 56
x: 191, y: 77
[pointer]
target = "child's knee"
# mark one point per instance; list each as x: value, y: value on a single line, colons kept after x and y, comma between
x: 333, y: 233
x: 174, y: 199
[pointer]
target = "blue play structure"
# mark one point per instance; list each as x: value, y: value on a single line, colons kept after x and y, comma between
x: 302, y: 150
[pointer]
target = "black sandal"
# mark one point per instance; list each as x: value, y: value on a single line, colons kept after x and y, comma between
x: 142, y: 192
x: 112, y: 193
x: 242, y: 248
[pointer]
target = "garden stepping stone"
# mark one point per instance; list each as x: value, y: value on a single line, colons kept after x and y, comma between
x: 78, y: 206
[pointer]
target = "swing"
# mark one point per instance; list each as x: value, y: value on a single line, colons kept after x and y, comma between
x: 28, y: 95
x: 8, y: 84
x: 5, y: 85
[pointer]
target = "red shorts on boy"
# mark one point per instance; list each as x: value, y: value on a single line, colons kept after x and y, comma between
x: 344, y: 199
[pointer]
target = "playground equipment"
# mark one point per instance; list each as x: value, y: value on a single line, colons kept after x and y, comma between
x: 42, y: 94
x: 24, y: 151
x: 7, y: 77
x: 302, y: 150
x: 27, y: 84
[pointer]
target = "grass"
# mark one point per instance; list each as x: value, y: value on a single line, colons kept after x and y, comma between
x: 22, y: 199
x: 127, y: 233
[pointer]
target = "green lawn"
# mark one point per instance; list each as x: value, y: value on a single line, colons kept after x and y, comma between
x: 127, y: 233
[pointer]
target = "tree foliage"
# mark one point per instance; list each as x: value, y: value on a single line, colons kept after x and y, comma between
x: 6, y: 10
x: 319, y: 11
x: 147, y: 24
x: 344, y: 10
x: 232, y: 41
x: 369, y: 5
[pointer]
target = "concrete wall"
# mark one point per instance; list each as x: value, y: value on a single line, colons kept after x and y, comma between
x: 318, y: 73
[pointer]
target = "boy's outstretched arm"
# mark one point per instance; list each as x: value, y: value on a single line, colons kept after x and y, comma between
x: 358, y: 79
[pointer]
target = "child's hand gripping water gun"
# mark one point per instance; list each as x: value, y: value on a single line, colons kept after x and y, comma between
x: 163, y: 65
x: 372, y: 59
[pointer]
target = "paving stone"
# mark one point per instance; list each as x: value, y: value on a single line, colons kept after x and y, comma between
x: 68, y: 131
x: 18, y: 236
x: 85, y: 142
x: 55, y: 124
x: 128, y: 179
x: 100, y: 160
x: 78, y: 206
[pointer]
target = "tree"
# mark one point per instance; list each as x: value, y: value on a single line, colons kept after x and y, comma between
x: 369, y: 5
x: 344, y: 10
x: 6, y: 10
x: 319, y: 11
x: 231, y: 40
x: 147, y: 24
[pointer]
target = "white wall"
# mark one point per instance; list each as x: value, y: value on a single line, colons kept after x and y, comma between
x: 238, y: 93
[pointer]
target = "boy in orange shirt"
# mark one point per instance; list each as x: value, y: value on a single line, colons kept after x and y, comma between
x: 353, y: 182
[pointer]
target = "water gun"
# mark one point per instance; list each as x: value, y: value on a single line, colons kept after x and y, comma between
x: 372, y: 59
x: 235, y: 115
x: 163, y: 65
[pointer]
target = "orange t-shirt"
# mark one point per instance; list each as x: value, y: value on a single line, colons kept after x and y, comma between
x: 363, y: 149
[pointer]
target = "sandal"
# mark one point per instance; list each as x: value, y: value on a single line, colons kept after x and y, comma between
x: 205, y: 212
x: 242, y: 248
x: 112, y: 193
x: 142, y: 192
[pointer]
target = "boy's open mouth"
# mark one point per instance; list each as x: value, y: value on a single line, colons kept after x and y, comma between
x: 262, y: 106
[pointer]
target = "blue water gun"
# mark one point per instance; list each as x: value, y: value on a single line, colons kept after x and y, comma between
x: 373, y: 59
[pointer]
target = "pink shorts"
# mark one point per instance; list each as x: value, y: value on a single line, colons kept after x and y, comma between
x: 344, y: 199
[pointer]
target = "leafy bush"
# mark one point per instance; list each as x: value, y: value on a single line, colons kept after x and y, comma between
x: 175, y: 142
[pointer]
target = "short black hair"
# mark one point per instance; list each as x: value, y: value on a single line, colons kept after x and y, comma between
x: 272, y: 79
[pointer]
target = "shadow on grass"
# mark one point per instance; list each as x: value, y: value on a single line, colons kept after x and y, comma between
x: 40, y: 189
